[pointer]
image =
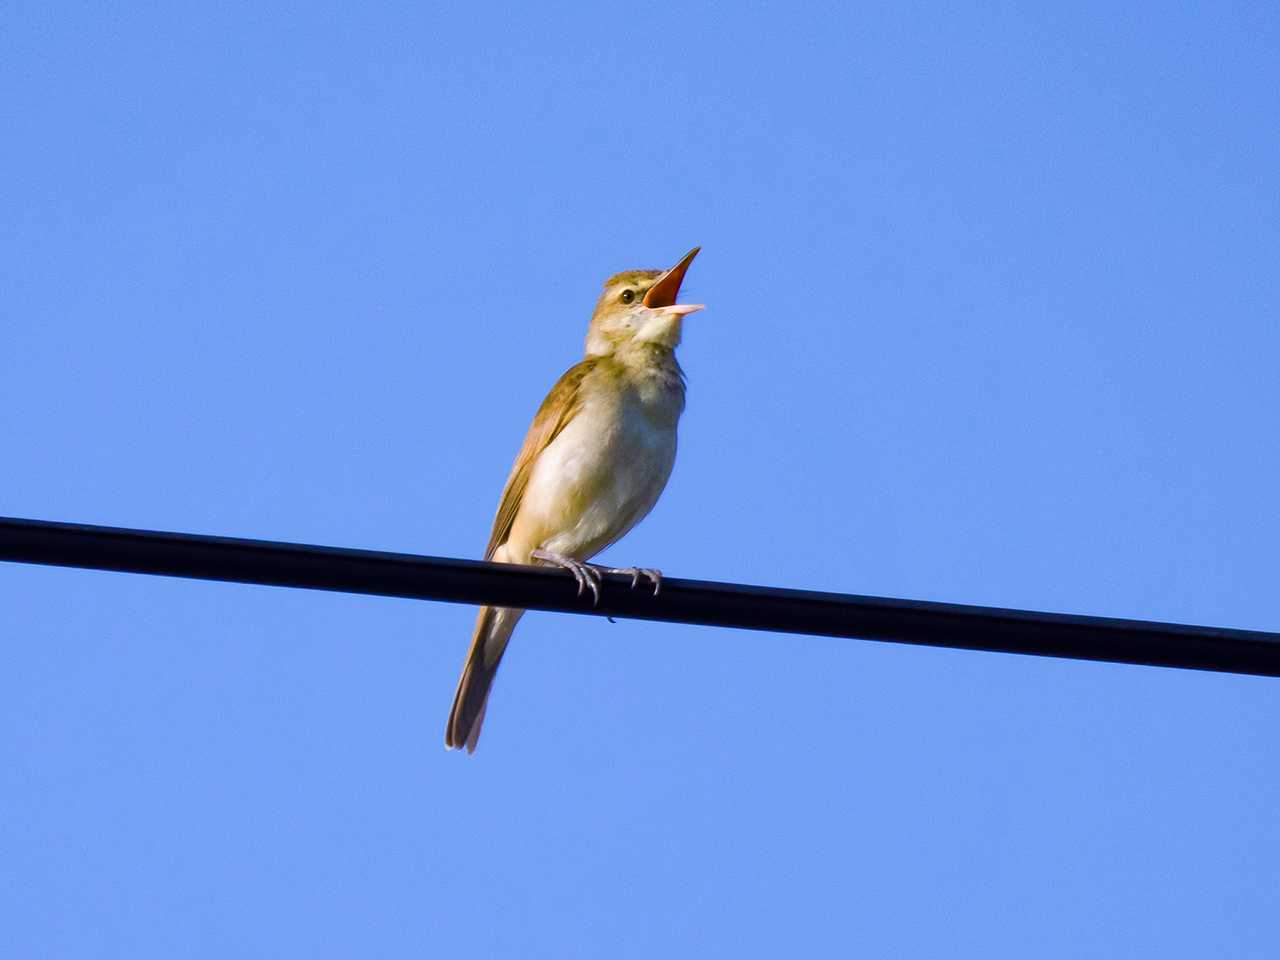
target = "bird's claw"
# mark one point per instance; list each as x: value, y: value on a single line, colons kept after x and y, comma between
x: 586, y: 575
x: 653, y: 576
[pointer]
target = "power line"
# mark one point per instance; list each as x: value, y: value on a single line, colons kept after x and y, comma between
x: 681, y: 601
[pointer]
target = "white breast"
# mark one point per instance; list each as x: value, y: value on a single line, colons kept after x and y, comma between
x: 600, y: 476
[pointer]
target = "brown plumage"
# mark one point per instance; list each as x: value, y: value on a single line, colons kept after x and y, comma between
x: 494, y: 626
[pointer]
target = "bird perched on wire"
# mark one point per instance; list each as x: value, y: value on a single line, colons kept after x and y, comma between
x: 593, y: 464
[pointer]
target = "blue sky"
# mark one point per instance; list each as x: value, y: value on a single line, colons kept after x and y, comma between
x: 993, y: 318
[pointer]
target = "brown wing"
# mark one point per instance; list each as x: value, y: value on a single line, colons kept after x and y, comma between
x: 560, y: 406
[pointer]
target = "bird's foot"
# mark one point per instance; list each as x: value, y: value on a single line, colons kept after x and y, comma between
x: 635, y: 573
x: 587, y: 575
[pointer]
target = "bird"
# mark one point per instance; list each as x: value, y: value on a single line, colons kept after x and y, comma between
x: 594, y: 462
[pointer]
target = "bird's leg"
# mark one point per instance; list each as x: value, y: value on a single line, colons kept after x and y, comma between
x: 635, y: 573
x: 587, y: 575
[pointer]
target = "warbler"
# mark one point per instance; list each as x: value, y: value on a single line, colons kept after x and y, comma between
x: 593, y: 464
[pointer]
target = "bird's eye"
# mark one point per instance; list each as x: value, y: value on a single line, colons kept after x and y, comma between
x: 627, y: 296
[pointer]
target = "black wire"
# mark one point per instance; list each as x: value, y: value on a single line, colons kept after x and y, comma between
x: 680, y: 601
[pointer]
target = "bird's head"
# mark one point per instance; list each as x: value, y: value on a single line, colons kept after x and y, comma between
x: 639, y: 307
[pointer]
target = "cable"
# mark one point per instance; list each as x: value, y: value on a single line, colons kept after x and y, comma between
x: 681, y: 601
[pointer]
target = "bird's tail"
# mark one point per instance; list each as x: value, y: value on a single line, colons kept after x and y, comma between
x: 493, y: 629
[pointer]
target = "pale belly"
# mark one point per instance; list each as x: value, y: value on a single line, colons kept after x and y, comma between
x: 594, y: 482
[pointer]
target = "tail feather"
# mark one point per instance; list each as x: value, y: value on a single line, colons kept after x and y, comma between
x: 494, y: 626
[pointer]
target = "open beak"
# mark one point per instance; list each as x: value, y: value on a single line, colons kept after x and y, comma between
x: 662, y: 295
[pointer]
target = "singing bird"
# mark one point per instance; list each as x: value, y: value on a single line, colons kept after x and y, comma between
x: 593, y: 464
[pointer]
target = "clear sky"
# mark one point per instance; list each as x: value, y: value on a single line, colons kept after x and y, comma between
x: 994, y: 317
